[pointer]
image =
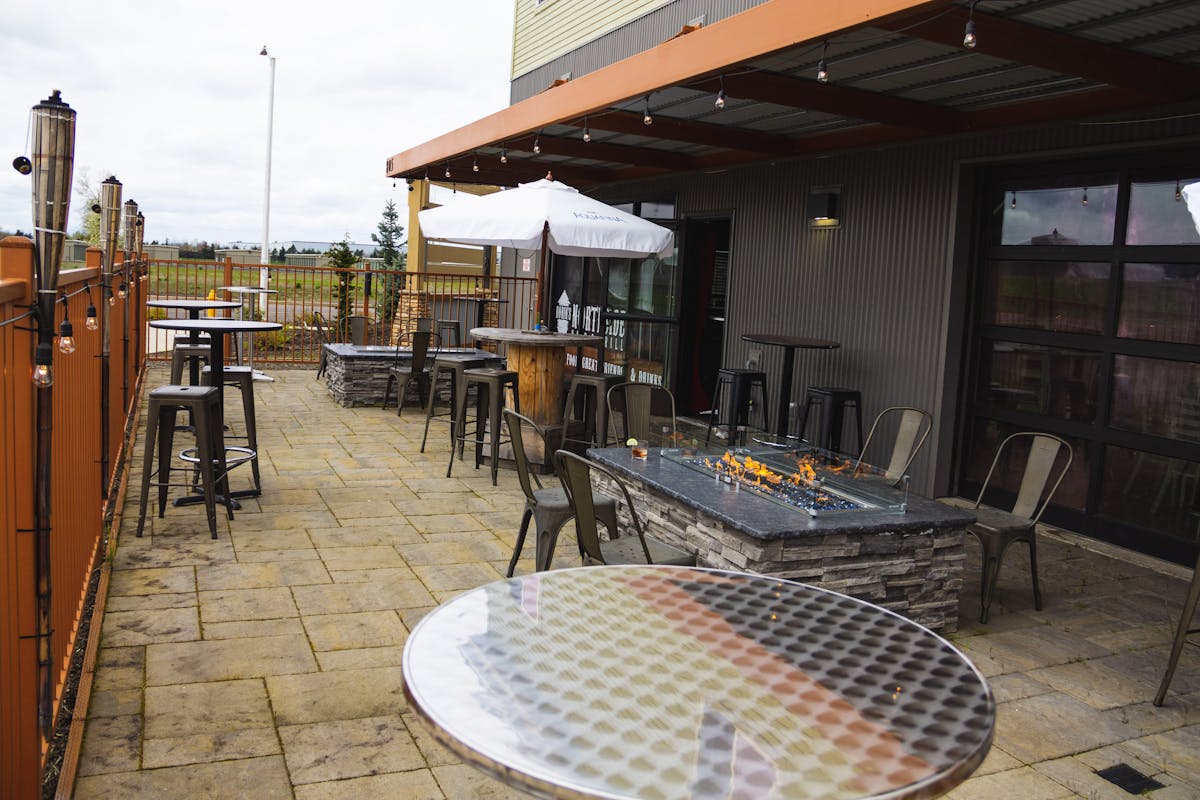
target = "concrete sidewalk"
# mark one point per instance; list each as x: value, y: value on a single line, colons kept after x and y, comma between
x: 266, y: 663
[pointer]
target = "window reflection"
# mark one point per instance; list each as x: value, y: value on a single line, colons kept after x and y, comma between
x: 1158, y: 213
x: 1151, y: 491
x: 1157, y: 397
x: 1060, y: 216
x: 1067, y: 296
x: 1161, y: 302
x: 1051, y: 381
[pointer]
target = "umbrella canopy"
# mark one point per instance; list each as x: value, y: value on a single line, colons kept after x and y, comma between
x: 573, y: 224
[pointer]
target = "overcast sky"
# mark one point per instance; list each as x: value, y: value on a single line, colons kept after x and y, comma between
x: 172, y: 99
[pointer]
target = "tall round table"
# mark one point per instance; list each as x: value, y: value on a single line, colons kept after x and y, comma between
x: 193, y: 306
x: 790, y: 345
x: 655, y: 681
x: 539, y: 360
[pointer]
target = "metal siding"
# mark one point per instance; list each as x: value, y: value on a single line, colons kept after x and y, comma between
x: 651, y: 29
x: 879, y: 284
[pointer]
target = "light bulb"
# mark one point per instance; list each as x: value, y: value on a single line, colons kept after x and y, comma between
x: 587, y: 134
x: 1085, y: 195
x: 43, y: 376
x: 969, y: 38
x: 720, y: 101
x: 123, y: 291
x: 91, y: 323
x: 1178, y: 192
x: 112, y: 298
x: 537, y: 145
x: 822, y: 72
x: 474, y: 166
x: 646, y: 118
x: 447, y: 172
x: 503, y: 156
x: 66, y: 337
x: 1013, y: 204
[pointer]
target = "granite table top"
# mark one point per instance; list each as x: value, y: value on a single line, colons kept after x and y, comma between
x: 761, y: 518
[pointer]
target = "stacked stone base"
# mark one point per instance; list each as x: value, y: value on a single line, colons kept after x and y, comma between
x: 916, y: 573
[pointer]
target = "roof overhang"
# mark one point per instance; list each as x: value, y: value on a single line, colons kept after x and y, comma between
x: 898, y: 71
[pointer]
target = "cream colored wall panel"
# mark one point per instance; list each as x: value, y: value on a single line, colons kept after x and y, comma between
x: 546, y: 30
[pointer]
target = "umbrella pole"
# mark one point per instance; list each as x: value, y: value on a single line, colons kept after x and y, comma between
x: 540, y: 312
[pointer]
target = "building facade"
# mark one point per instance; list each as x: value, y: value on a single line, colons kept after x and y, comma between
x: 1013, y: 248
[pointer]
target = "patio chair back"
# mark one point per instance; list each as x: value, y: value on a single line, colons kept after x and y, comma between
x: 1032, y: 496
x: 322, y: 326
x: 525, y: 477
x: 575, y: 472
x: 643, y: 409
x: 358, y: 329
x: 912, y: 429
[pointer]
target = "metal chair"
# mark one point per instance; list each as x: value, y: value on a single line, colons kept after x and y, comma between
x: 548, y: 508
x: 1182, y: 630
x: 640, y: 407
x: 913, y: 427
x: 322, y: 325
x: 358, y: 329
x: 417, y: 368
x: 576, y: 474
x: 996, y: 529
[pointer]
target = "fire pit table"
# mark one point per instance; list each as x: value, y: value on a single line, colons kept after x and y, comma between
x: 886, y: 546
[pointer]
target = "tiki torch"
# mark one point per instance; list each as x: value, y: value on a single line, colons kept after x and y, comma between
x: 53, y: 156
x: 124, y: 287
x: 110, y: 218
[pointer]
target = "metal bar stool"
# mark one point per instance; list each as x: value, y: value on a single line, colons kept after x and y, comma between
x: 451, y: 332
x: 736, y: 413
x: 204, y: 403
x: 489, y: 383
x: 454, y: 369
x: 243, y: 379
x: 187, y: 354
x: 589, y: 390
x: 833, y: 403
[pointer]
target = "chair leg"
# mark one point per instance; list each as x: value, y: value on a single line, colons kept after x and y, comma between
x: 1033, y: 569
x: 147, y: 464
x: 987, y: 578
x: 712, y: 411
x: 166, y: 436
x: 204, y: 460
x: 520, y: 543
x: 387, y: 392
x: 428, y: 410
x: 251, y: 431
x: 1181, y: 632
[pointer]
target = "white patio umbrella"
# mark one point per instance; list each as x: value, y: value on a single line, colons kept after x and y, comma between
x: 547, y: 215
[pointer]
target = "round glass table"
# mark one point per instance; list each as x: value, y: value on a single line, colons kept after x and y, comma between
x: 662, y: 682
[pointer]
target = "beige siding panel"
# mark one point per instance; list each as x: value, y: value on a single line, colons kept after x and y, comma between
x: 546, y: 31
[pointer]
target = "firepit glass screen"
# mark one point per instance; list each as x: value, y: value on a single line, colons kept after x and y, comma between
x: 802, y: 478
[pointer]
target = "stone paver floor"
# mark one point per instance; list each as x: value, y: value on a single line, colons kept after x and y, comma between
x: 265, y: 664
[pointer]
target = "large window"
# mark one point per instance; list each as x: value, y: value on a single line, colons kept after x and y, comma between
x: 632, y: 303
x: 1087, y: 325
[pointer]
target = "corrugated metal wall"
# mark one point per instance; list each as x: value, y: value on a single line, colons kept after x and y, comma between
x: 881, y: 283
x: 655, y: 27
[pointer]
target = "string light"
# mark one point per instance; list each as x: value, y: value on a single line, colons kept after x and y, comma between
x: 1085, y: 195
x: 587, y: 133
x: 646, y: 118
x: 720, y: 101
x: 503, y: 156
x: 122, y: 290
x: 43, y: 373
x: 1013, y: 204
x: 66, y: 332
x: 447, y: 170
x: 969, y: 37
x: 537, y: 144
x: 822, y: 70
x: 91, y: 322
x: 474, y: 164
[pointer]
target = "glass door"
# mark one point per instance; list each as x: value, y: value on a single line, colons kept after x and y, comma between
x: 1087, y: 325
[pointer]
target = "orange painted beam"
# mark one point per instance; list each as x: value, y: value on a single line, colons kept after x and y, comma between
x: 752, y: 34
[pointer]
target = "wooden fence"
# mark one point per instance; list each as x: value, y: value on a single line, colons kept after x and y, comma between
x: 83, y: 493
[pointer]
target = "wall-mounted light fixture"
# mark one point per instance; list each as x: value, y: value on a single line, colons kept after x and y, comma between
x: 823, y: 208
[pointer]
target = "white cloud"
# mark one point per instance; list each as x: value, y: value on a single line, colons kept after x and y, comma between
x: 172, y: 99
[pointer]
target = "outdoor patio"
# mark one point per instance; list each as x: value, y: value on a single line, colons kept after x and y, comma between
x: 266, y: 663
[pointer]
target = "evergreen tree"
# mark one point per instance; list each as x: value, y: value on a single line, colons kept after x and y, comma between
x: 389, y: 240
x: 343, y: 259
